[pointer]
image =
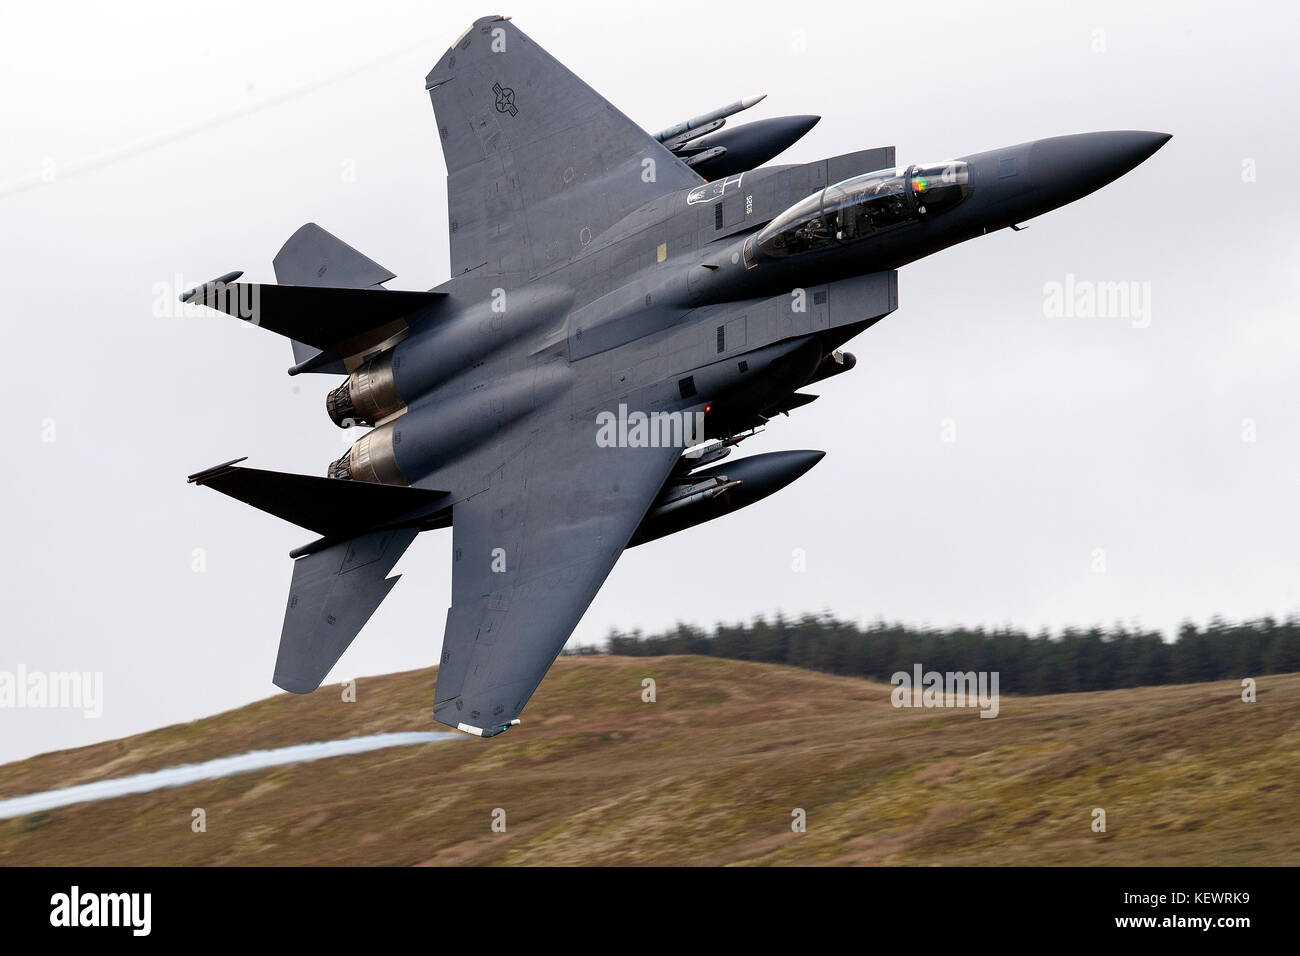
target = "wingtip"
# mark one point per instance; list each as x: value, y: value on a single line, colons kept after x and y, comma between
x: 207, y: 474
x: 473, y: 730
x: 202, y: 290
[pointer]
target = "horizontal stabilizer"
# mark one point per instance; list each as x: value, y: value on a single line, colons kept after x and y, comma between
x: 333, y: 594
x: 331, y: 507
x: 322, y: 317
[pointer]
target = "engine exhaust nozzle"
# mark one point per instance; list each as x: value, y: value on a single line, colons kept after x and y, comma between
x: 371, y: 458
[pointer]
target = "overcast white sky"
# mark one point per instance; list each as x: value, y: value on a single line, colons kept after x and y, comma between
x: 148, y: 140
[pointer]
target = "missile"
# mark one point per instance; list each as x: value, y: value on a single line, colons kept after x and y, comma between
x: 673, y: 132
x: 705, y: 156
x: 698, y: 457
x: 680, y: 140
x: 692, y: 495
x: 745, y: 481
x: 703, y: 455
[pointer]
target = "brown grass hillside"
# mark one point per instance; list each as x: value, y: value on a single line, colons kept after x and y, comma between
x: 708, y: 774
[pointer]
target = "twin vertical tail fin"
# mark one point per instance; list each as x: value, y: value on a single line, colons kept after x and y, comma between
x: 314, y: 257
x: 329, y: 302
x: 537, y: 161
x: 340, y: 580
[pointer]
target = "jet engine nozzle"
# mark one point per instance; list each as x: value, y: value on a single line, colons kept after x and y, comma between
x: 368, y: 396
x: 341, y: 467
x: 371, y: 458
x: 338, y: 404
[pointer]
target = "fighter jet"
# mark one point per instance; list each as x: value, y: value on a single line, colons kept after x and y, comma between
x: 624, y: 309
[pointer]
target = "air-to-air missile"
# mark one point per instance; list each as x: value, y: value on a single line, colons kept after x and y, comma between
x: 703, y: 156
x: 738, y: 149
x: 675, y: 135
x: 684, y: 496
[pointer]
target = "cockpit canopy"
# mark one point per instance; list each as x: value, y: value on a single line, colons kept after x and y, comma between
x: 938, y: 188
x: 862, y: 206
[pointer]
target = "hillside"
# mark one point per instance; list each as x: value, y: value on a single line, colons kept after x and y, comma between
x: 708, y: 774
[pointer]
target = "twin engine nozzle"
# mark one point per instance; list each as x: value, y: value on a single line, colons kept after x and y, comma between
x: 371, y: 458
x: 437, y: 429
x: 368, y: 397
x: 440, y: 351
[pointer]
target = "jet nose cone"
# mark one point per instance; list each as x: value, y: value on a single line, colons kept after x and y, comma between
x: 1158, y: 139
x: 1067, y: 167
x: 800, y: 461
x: 1118, y: 152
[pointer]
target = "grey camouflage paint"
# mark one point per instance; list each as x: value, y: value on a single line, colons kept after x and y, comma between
x: 594, y: 273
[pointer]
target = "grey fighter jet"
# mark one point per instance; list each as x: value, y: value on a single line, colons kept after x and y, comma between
x: 624, y: 309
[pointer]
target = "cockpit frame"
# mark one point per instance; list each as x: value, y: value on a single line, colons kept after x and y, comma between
x: 863, y: 206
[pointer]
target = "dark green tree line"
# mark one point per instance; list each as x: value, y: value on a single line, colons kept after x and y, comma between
x: 1073, y: 660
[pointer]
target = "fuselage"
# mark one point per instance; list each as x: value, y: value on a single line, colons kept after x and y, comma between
x: 632, y: 319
